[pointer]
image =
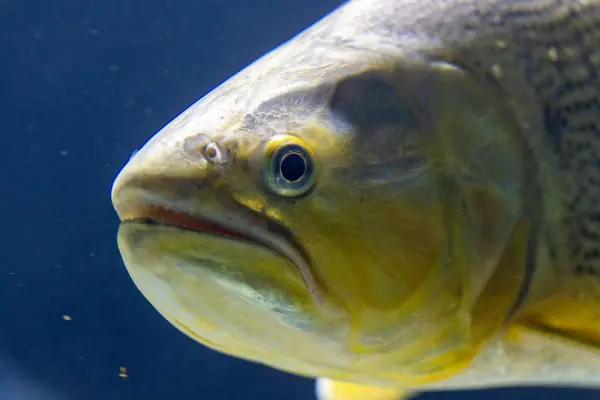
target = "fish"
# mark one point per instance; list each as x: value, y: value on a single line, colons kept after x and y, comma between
x: 402, y: 198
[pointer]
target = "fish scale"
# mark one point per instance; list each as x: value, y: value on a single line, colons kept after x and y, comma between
x: 545, y: 55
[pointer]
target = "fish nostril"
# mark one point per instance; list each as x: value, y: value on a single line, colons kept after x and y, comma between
x: 215, y: 153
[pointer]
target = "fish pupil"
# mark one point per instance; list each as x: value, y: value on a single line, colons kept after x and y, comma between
x: 292, y: 167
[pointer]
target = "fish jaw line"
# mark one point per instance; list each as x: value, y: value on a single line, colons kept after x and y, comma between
x: 235, y: 223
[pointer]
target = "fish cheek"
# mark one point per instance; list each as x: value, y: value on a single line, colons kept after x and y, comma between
x: 391, y: 187
x: 442, y: 136
x: 379, y: 228
x: 383, y: 144
x: 487, y: 168
x: 487, y: 187
x: 435, y: 134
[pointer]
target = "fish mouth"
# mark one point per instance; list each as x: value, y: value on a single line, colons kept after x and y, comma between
x: 157, y: 215
x: 248, y: 226
x: 255, y: 229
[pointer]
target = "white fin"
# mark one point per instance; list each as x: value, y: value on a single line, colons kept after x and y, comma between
x: 327, y: 389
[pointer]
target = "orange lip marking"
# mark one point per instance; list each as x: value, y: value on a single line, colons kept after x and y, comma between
x: 167, y: 217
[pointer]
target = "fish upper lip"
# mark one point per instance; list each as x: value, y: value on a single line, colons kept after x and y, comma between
x: 159, y: 215
x: 184, y: 220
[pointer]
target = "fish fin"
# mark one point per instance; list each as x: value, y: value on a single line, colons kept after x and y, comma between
x: 327, y: 389
x: 571, y: 314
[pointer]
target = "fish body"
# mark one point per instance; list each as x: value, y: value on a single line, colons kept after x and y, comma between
x: 402, y: 198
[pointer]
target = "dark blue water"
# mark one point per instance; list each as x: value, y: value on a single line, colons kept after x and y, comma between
x: 82, y: 84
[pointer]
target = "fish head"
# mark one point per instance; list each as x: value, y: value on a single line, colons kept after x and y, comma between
x: 326, y: 212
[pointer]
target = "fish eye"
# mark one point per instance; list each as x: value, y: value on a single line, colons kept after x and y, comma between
x: 288, y: 170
